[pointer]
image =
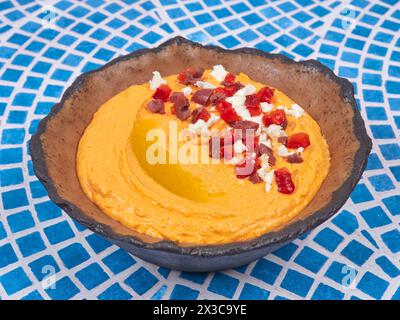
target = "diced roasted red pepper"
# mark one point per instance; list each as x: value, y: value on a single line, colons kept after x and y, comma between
x: 162, y: 92
x: 226, y: 112
x: 253, y: 105
x: 182, y: 77
x: 284, y: 181
x: 200, y: 113
x: 230, y: 91
x: 265, y: 94
x: 232, y: 88
x: 229, y: 79
x: 298, y: 140
x: 277, y: 117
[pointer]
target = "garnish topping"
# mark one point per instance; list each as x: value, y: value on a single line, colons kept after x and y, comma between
x: 284, y: 181
x: 294, y: 158
x: 226, y: 112
x: 253, y: 105
x: 200, y: 113
x: 202, y: 96
x: 156, y: 106
x: 229, y: 80
x: 276, y: 117
x: 298, y: 140
x: 254, y: 124
x: 265, y: 94
x: 245, y: 168
x: 156, y: 81
x: 162, y: 92
x: 190, y: 75
x: 219, y: 72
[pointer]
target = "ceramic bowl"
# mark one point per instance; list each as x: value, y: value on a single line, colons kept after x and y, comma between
x: 328, y: 98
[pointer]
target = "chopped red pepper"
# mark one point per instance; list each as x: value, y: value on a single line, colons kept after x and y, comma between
x: 227, y: 113
x: 253, y: 105
x: 229, y: 79
x: 232, y: 88
x: 277, y: 117
x: 230, y: 91
x: 298, y: 140
x: 265, y: 94
x: 182, y: 77
x: 162, y: 92
x: 200, y: 113
x: 284, y: 181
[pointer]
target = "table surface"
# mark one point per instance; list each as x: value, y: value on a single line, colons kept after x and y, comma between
x: 45, y: 45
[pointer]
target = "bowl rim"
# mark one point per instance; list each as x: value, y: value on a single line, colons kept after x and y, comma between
x: 282, y: 236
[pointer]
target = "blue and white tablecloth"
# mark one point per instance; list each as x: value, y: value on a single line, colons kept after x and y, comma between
x: 45, y: 45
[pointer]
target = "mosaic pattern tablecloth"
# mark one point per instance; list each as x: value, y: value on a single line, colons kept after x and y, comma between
x: 45, y: 45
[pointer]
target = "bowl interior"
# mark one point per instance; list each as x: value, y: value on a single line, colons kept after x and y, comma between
x: 312, y: 89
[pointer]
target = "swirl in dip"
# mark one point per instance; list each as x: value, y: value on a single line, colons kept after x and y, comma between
x: 202, y: 157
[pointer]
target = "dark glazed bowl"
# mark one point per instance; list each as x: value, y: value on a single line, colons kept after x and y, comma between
x: 328, y: 98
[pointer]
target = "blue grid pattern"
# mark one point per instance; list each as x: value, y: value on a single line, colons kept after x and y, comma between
x: 45, y: 45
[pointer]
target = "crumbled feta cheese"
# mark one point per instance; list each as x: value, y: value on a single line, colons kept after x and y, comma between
x: 258, y: 119
x: 236, y: 101
x: 199, y: 127
x: 156, y: 81
x: 267, y: 176
x: 239, y: 147
x: 187, y: 91
x: 264, y: 159
x: 275, y: 131
x: 263, y: 139
x: 283, y: 151
x: 234, y: 161
x: 296, y: 111
x: 219, y: 72
x: 246, y: 90
x: 243, y: 112
x: 266, y: 107
x: 263, y: 171
x: 204, y: 85
x: 213, y: 119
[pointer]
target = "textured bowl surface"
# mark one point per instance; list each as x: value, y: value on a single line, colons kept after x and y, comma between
x: 328, y: 98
